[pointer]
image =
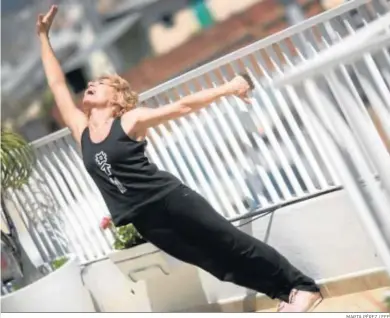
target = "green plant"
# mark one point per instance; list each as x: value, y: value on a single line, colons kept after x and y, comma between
x: 387, y: 301
x: 17, y: 161
x: 57, y: 263
x: 127, y: 236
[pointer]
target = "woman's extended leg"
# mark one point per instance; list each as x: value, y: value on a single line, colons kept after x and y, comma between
x: 252, y: 263
x: 157, y: 228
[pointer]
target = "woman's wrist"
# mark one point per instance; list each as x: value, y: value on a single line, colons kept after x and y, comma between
x: 43, y: 37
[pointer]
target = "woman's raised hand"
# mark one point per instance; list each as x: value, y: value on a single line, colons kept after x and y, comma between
x: 240, y: 86
x: 44, y: 22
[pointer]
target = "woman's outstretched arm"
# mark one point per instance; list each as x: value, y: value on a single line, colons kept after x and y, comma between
x: 142, y: 117
x: 73, y: 117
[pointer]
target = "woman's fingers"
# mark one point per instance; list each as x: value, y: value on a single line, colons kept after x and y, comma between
x: 245, y: 97
x: 44, y: 21
x: 51, y: 14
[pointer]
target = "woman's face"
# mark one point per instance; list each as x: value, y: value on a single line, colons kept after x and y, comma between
x: 99, y: 94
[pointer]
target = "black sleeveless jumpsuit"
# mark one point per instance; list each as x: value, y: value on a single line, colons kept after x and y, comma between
x: 180, y: 221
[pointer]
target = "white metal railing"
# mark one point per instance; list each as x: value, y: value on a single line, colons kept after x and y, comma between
x: 238, y: 156
x: 355, y: 139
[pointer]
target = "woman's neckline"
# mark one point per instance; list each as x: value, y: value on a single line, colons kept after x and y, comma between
x: 105, y: 138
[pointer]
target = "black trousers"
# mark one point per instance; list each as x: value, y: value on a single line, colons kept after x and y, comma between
x: 187, y: 227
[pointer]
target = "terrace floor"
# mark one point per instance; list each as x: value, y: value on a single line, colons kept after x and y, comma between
x: 358, y: 302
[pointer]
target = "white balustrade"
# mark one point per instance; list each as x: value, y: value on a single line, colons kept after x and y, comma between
x: 347, y: 89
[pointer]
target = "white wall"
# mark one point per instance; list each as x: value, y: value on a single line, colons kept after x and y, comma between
x: 322, y: 237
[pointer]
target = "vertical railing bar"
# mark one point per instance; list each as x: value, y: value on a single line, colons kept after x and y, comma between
x: 277, y: 64
x: 299, y: 42
x: 380, y: 102
x: 334, y: 35
x: 326, y: 37
x: 287, y: 55
x: 380, y: 7
x: 363, y: 11
x: 350, y: 25
x: 339, y: 29
x: 384, y: 62
x: 314, y: 43
x: 382, y: 88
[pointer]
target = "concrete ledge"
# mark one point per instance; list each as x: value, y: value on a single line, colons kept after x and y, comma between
x: 332, y: 287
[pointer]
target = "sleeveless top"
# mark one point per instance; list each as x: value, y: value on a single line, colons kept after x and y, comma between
x: 127, y: 180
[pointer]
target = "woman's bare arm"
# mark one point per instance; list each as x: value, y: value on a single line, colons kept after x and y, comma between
x: 143, y: 117
x: 73, y: 117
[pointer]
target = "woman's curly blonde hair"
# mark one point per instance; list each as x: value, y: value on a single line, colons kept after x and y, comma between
x: 125, y: 98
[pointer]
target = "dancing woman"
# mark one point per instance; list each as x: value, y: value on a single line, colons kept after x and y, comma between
x: 111, y: 131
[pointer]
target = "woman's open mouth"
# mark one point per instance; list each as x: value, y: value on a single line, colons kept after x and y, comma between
x: 90, y: 91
